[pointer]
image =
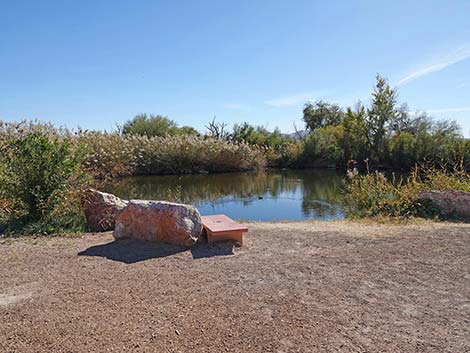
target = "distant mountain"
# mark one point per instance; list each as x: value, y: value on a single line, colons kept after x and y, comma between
x: 296, y: 135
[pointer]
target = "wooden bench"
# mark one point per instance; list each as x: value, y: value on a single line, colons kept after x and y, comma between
x: 220, y: 227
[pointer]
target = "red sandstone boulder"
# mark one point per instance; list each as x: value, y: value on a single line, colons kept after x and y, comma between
x: 101, y: 210
x: 451, y: 203
x: 160, y: 221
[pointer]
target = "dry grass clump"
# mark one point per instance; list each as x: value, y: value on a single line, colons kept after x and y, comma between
x: 113, y: 154
x: 22, y: 128
x: 109, y: 155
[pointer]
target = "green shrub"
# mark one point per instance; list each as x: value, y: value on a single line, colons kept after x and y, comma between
x: 40, y: 177
x: 154, y: 125
x: 456, y: 178
x: 401, y: 151
x: 258, y: 135
x: 367, y: 195
x: 278, y: 150
x: 285, y: 155
x: 373, y: 194
x: 323, y: 146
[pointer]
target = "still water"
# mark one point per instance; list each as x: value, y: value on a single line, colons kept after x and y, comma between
x: 274, y: 195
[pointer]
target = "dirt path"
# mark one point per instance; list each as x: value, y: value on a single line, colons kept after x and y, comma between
x: 297, y: 287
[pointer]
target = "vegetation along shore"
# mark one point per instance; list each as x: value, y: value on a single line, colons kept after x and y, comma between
x: 44, y: 169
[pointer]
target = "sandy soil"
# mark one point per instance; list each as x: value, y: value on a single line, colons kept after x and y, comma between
x: 296, y: 287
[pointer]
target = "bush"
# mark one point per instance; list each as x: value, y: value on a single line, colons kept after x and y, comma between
x: 456, y: 178
x: 278, y: 150
x: 40, y: 177
x: 285, y: 156
x: 154, y: 125
x: 258, y: 135
x: 373, y: 194
x: 401, y: 151
x: 322, y: 147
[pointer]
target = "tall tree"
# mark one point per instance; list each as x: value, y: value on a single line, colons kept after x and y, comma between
x: 355, y: 143
x: 322, y: 114
x: 382, y: 113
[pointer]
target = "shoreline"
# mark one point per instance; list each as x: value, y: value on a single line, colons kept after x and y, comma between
x: 323, y: 225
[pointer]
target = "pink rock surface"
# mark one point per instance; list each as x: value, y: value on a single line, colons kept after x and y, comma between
x: 160, y: 221
x: 451, y: 203
x: 101, y: 210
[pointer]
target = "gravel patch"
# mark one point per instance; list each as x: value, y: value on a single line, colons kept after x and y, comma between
x: 293, y: 287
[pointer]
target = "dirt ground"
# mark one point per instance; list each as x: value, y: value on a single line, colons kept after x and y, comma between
x: 293, y: 287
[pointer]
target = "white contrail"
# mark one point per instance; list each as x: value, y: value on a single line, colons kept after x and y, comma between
x: 294, y: 99
x: 461, y: 54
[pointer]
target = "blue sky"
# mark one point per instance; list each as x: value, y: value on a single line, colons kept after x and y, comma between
x: 97, y: 63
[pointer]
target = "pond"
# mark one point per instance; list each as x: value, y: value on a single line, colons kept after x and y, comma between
x: 274, y: 195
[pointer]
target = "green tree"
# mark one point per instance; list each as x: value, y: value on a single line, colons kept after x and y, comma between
x: 188, y: 130
x: 402, y: 151
x: 155, y: 125
x: 323, y: 145
x: 242, y: 132
x: 322, y: 114
x: 382, y: 113
x: 258, y: 135
x: 354, y: 142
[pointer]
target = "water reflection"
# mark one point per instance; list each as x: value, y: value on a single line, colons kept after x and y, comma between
x: 273, y: 195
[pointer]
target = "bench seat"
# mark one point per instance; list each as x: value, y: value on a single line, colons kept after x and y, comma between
x: 220, y: 227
